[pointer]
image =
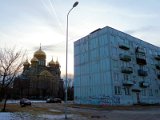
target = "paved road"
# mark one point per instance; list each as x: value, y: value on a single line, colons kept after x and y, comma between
x: 85, y: 113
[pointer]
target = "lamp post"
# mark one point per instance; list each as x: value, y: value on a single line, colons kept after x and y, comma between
x: 74, y: 5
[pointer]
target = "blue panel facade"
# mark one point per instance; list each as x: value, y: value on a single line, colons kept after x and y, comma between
x: 114, y: 68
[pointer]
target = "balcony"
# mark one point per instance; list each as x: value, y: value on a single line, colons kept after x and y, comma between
x: 124, y: 57
x: 140, y: 56
x: 140, y: 50
x: 144, y: 84
x: 128, y: 83
x: 136, y: 88
x: 142, y: 72
x: 157, y: 66
x: 141, y: 59
x: 124, y: 46
x: 127, y: 70
x: 157, y: 57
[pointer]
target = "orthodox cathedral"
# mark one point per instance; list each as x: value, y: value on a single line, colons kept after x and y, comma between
x: 38, y: 80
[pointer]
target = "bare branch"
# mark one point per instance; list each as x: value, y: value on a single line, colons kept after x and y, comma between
x: 11, y: 61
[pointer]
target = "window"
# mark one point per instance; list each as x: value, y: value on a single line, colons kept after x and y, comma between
x: 117, y: 90
x: 156, y: 91
x: 152, y: 61
x: 114, y: 52
x: 126, y: 77
x: 144, y: 49
x: 154, y: 52
x: 150, y: 92
x: 115, y: 76
x: 131, y: 43
x: 126, y: 41
x: 103, y: 40
x: 150, y: 51
x: 113, y: 40
x: 143, y: 92
x: 126, y: 64
x: 115, y: 63
x: 127, y: 91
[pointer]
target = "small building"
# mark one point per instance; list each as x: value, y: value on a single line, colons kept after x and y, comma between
x: 38, y: 80
x: 114, y: 68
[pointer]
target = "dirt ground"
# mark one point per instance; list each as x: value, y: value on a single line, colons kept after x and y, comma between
x: 84, y: 112
x: 110, y: 112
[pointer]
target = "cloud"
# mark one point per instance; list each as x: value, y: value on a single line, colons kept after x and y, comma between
x: 60, y: 48
x: 142, y: 29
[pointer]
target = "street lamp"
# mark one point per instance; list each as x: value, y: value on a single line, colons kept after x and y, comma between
x: 74, y: 5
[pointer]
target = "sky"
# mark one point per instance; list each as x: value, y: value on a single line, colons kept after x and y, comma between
x: 27, y: 23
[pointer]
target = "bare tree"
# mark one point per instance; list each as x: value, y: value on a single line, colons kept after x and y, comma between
x: 11, y: 61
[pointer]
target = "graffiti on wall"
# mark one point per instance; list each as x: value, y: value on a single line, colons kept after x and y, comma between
x: 105, y: 100
x: 100, y: 100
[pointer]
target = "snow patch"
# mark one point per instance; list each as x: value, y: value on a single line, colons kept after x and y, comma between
x: 55, y: 117
x: 5, y: 116
x: 27, y: 116
x: 53, y: 110
x: 17, y: 101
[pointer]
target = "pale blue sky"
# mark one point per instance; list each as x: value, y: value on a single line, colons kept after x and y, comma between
x: 27, y: 23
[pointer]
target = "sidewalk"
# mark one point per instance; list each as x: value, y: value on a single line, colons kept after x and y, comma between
x: 27, y: 116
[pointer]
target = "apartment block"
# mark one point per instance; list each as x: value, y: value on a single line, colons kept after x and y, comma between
x: 115, y: 68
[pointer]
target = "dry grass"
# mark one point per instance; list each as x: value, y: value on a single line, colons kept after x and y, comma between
x: 30, y: 109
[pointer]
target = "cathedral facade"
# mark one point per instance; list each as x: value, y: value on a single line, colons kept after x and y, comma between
x: 38, y: 80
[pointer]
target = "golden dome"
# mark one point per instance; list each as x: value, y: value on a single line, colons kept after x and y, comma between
x: 26, y: 63
x: 34, y: 59
x: 39, y: 54
x: 57, y: 64
x: 52, y: 63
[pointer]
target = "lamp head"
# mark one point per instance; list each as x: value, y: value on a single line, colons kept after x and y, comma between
x: 75, y: 4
